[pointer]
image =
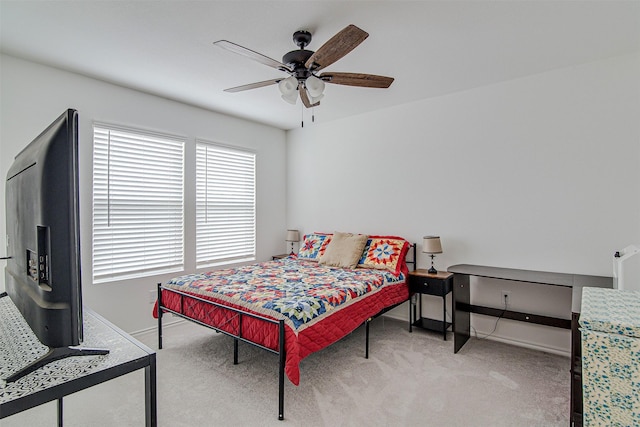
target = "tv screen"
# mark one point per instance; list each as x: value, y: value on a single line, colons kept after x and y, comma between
x: 42, y: 276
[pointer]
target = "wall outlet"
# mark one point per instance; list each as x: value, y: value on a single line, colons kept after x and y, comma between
x: 505, y: 298
x: 153, y: 295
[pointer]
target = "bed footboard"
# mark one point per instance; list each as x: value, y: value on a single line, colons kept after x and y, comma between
x: 236, y: 335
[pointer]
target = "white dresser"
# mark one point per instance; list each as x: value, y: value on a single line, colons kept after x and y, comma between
x: 610, y: 329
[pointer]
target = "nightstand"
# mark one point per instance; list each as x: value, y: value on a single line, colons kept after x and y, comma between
x: 423, y: 283
x: 275, y: 257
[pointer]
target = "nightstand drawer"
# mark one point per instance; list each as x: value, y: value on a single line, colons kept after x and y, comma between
x: 429, y: 286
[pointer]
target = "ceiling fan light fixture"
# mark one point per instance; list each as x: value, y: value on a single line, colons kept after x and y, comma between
x: 315, y: 87
x: 288, y: 86
x: 291, y: 98
x: 315, y: 99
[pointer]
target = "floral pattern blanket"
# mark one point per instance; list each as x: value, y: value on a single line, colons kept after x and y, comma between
x: 300, y: 292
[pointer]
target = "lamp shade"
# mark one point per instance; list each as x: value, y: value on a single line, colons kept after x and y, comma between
x: 291, y: 98
x: 289, y: 89
x: 315, y: 99
x: 315, y: 87
x: 293, y: 236
x: 288, y: 85
x: 431, y: 245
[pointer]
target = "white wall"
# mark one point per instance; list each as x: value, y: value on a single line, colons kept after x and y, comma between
x: 538, y: 173
x: 34, y: 95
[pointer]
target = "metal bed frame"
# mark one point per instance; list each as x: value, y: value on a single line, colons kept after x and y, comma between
x: 238, y: 335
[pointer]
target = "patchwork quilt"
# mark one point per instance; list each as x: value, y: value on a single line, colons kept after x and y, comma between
x: 319, y: 304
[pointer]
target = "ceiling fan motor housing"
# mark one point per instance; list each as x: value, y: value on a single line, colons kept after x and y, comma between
x: 296, y: 60
x: 302, y: 38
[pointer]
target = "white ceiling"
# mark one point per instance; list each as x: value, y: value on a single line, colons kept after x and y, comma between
x: 430, y: 47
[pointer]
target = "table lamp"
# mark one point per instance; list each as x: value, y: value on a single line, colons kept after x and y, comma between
x: 431, y: 245
x: 293, y: 236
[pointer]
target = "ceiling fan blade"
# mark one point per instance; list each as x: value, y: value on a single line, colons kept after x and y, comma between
x: 252, y: 85
x: 336, y: 47
x: 357, y: 79
x: 305, y: 98
x: 240, y: 50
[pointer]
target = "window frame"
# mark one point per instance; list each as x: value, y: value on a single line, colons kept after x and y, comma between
x: 158, y: 189
x: 250, y: 255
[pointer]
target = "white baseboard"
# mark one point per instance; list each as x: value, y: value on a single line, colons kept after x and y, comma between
x: 397, y: 317
x: 526, y: 344
x: 154, y: 329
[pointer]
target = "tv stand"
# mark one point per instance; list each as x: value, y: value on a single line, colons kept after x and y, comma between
x: 19, y: 346
x: 55, y: 353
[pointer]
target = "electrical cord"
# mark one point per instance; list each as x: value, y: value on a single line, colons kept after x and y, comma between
x: 475, y: 332
x: 495, y: 326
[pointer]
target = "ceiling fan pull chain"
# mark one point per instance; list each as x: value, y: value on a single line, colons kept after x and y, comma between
x: 301, y: 115
x: 313, y: 114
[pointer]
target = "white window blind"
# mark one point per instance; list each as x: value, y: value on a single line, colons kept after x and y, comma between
x: 138, y: 226
x: 225, y: 205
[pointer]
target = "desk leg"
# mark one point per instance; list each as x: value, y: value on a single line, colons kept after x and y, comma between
x: 444, y: 317
x: 151, y: 405
x: 415, y: 305
x: 410, y: 317
x: 461, y: 316
x: 60, y: 417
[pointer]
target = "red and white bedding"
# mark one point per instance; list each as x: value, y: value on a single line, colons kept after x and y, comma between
x: 319, y: 304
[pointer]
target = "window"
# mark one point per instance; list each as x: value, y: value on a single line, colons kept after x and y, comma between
x: 138, y: 224
x: 225, y: 205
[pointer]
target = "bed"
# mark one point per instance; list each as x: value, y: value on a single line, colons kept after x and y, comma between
x: 297, y: 305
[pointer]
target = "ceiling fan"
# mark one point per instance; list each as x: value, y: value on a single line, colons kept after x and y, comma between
x: 303, y: 66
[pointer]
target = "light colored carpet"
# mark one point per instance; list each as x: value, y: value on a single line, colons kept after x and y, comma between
x: 410, y: 380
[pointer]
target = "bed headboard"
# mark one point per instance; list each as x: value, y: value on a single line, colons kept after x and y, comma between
x: 414, y: 261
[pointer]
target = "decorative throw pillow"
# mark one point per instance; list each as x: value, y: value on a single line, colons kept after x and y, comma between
x: 384, y: 253
x: 344, y: 250
x: 313, y: 245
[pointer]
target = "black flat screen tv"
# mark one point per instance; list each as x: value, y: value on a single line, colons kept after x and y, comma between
x: 43, y: 271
